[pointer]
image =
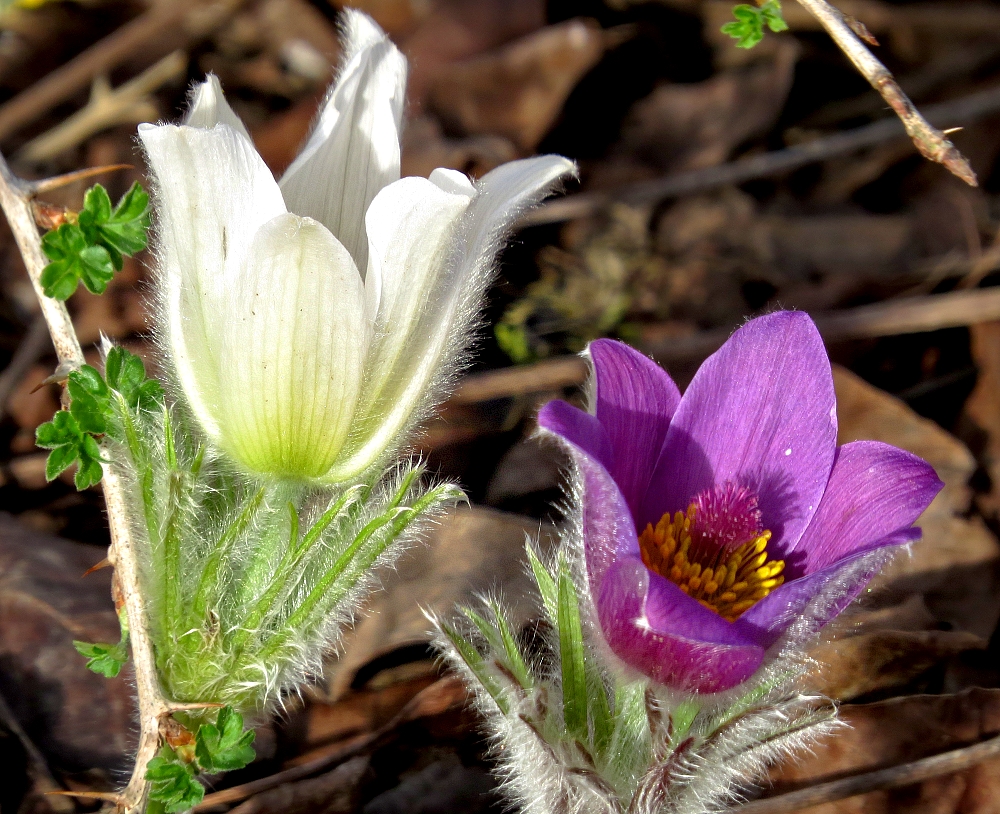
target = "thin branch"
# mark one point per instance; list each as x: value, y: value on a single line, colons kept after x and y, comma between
x: 129, y: 103
x: 932, y: 143
x: 15, y: 199
x: 892, y: 778
x: 955, y: 112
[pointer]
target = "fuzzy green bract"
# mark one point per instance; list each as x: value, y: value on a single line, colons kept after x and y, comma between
x: 574, y: 732
x: 92, y: 249
x: 748, y: 27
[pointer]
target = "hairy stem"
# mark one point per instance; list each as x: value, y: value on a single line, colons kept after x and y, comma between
x: 15, y: 200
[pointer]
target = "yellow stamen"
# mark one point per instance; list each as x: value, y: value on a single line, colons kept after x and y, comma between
x: 727, y: 581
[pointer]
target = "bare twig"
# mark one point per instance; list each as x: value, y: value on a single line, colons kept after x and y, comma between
x: 170, y: 21
x: 931, y: 142
x: 891, y: 778
x: 959, y: 111
x: 127, y: 104
x: 15, y: 199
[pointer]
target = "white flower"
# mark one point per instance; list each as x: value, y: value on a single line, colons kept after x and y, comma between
x: 311, y: 321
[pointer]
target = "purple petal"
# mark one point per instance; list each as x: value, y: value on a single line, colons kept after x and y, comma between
x: 635, y: 401
x: 874, y: 491
x: 760, y: 412
x: 654, y: 627
x: 647, y: 620
x: 824, y: 593
x: 608, y: 528
x: 578, y: 428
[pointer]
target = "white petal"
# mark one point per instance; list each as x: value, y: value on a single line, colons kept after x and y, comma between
x: 213, y: 192
x: 354, y: 150
x: 208, y: 107
x: 411, y: 226
x: 291, y: 348
x: 452, y: 181
x: 424, y: 316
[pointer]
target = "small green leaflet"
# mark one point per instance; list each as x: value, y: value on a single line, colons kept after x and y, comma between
x: 92, y: 249
x: 219, y: 747
x: 173, y: 783
x: 224, y: 746
x: 104, y: 659
x: 70, y: 435
x: 126, y: 373
x: 748, y: 27
x: 69, y: 445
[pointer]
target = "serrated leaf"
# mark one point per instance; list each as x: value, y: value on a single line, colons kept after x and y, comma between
x: 105, y: 659
x: 69, y: 444
x: 224, y: 746
x: 90, y: 400
x: 571, y: 657
x: 173, y: 784
x: 126, y: 373
x: 748, y: 28
x: 92, y: 249
x: 59, y: 460
x: 125, y: 228
x: 771, y: 12
x: 96, y: 207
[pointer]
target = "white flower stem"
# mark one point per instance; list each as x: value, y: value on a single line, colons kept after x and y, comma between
x: 15, y: 200
x: 931, y: 142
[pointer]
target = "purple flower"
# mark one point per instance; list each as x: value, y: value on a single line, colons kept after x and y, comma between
x: 712, y: 521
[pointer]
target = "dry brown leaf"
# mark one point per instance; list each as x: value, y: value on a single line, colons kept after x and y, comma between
x: 519, y: 90
x: 901, y: 730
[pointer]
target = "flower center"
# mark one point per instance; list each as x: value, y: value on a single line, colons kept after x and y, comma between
x: 716, y: 551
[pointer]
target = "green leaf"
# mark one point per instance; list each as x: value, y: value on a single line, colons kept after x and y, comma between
x: 771, y: 12
x: 224, y: 746
x: 475, y: 662
x: 126, y: 373
x: 121, y: 231
x: 104, y: 659
x: 91, y: 250
x: 748, y: 28
x: 69, y: 445
x: 74, y: 258
x: 173, y: 783
x: 514, y: 659
x: 681, y: 718
x: 546, y: 585
x: 90, y: 400
x: 574, y: 677
x: 631, y: 742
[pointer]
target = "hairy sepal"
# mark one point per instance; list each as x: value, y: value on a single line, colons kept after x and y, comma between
x: 248, y: 584
x: 646, y: 748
